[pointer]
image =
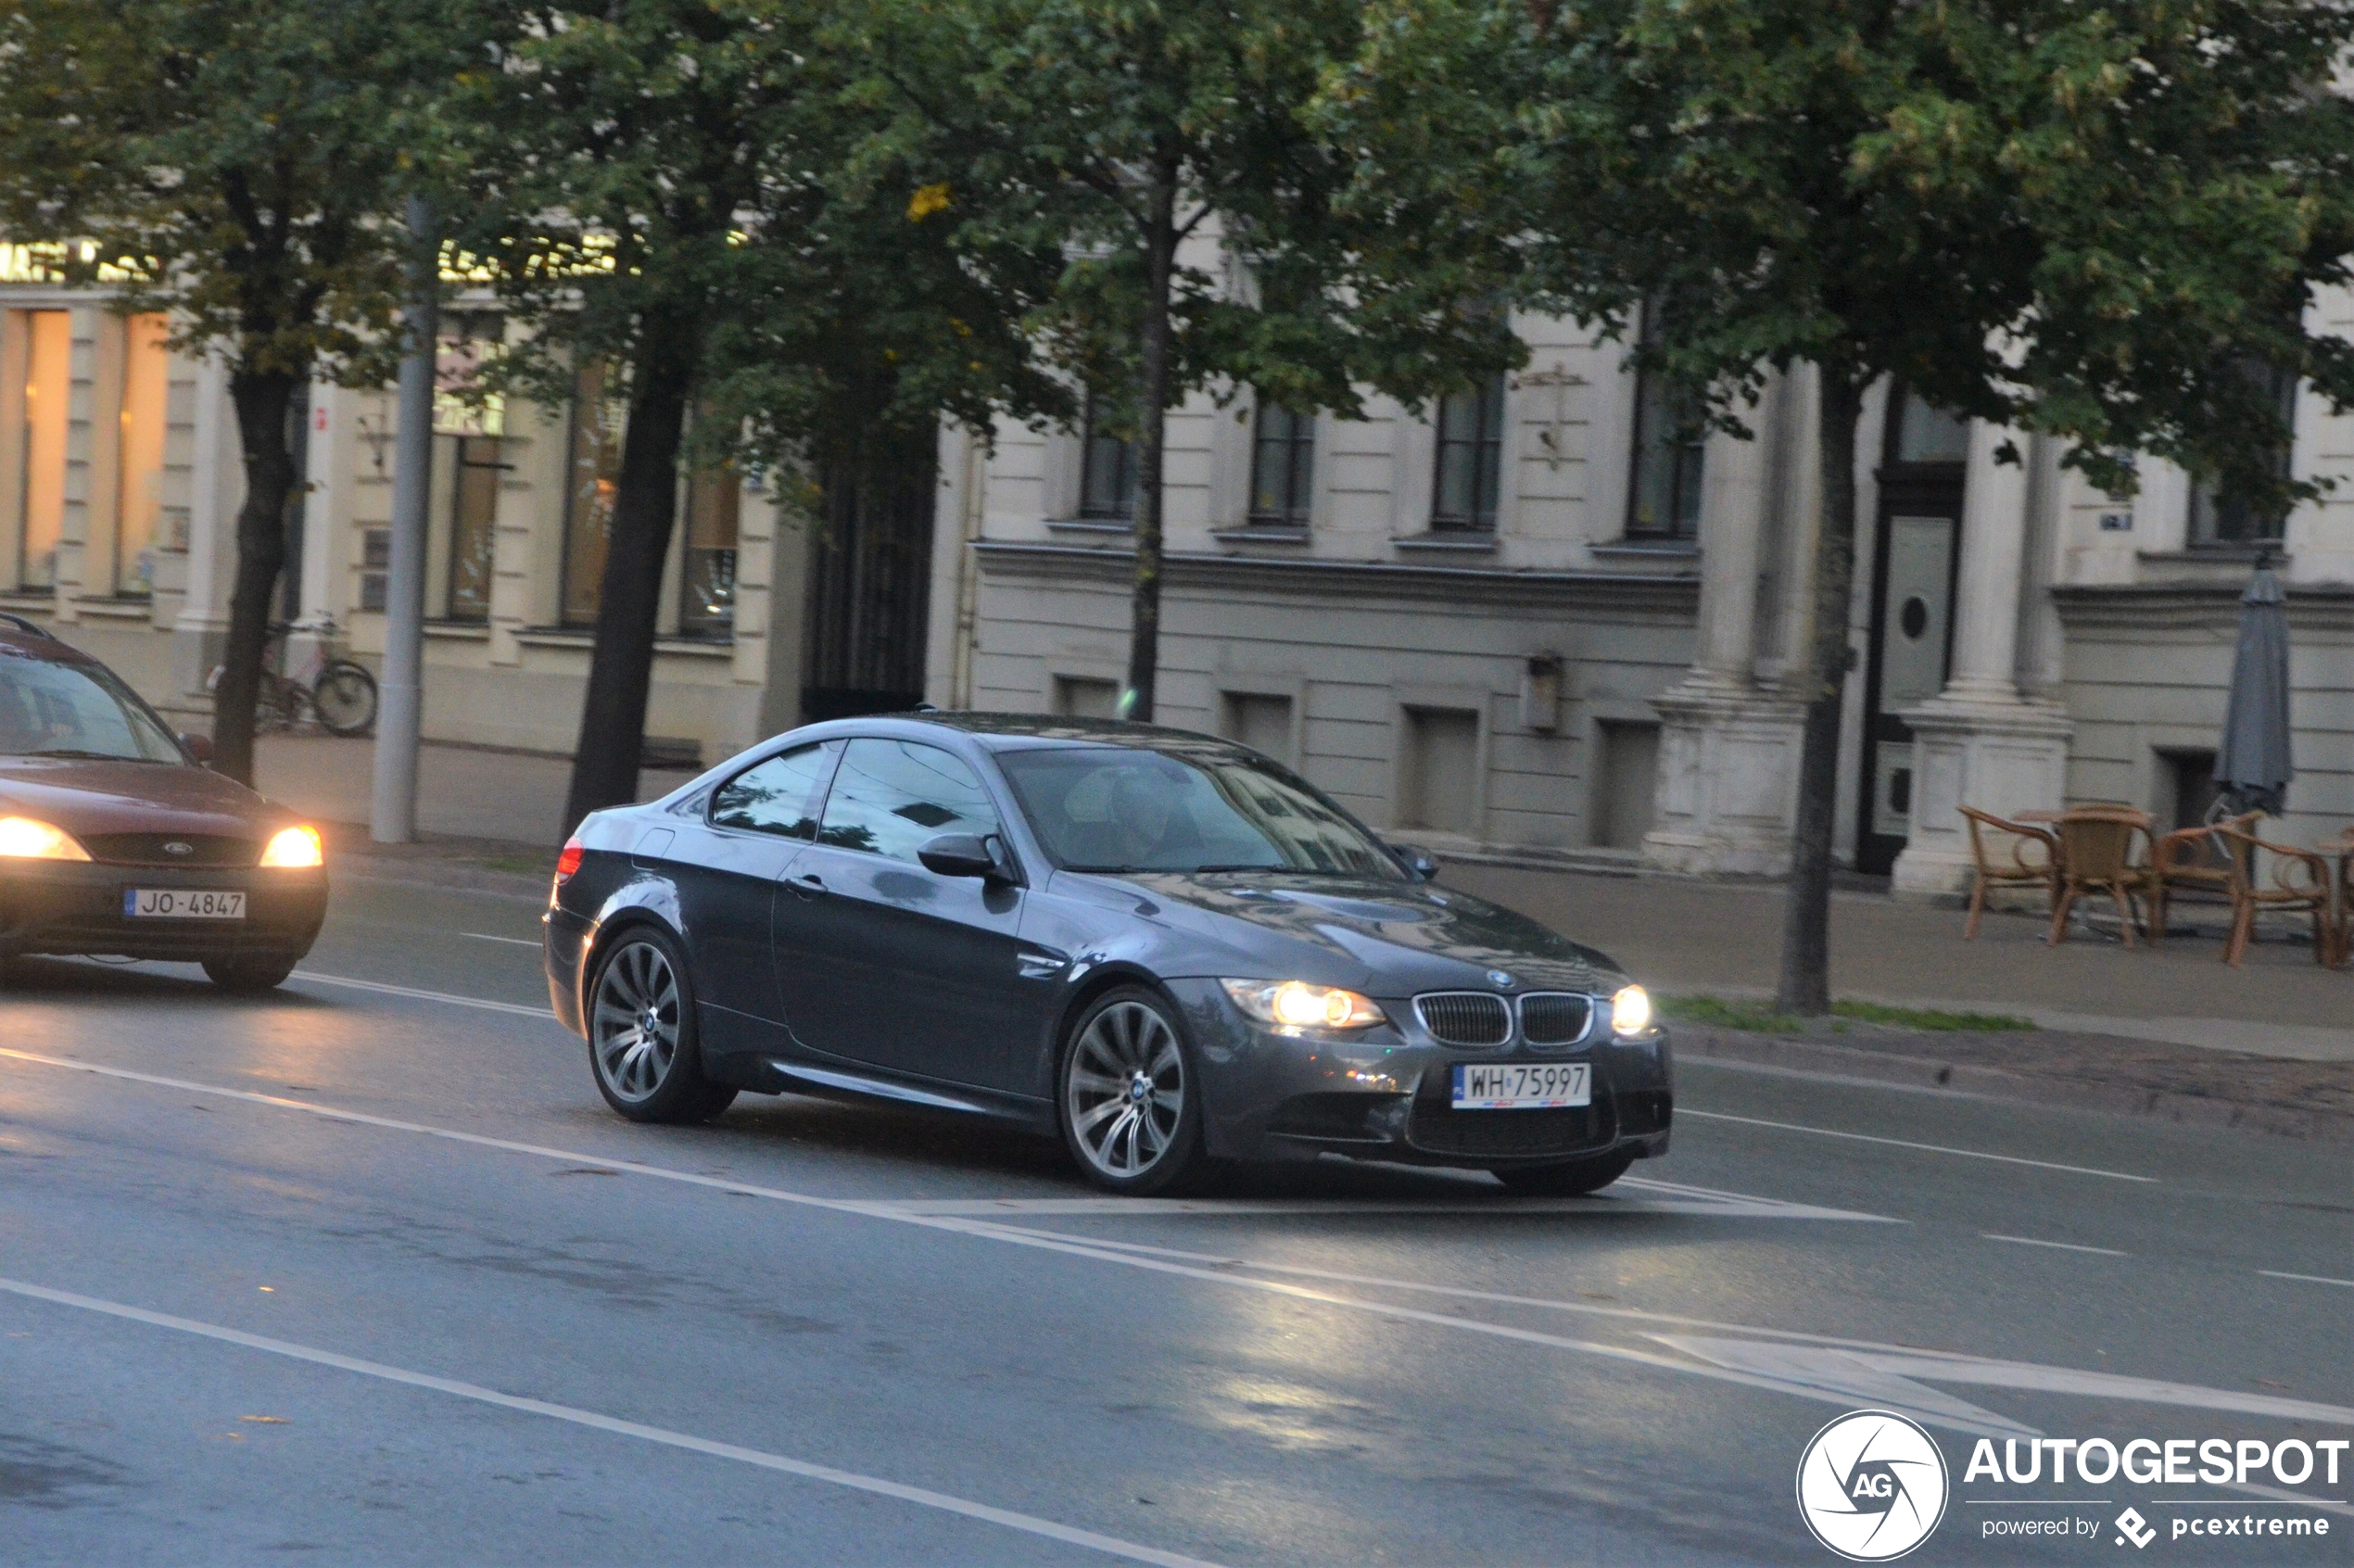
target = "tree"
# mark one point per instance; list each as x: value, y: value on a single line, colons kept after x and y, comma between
x: 227, y: 163
x: 688, y: 192
x: 1115, y: 131
x: 2086, y: 221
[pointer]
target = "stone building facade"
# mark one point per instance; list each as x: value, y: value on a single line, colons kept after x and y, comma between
x: 1540, y: 616
x: 120, y: 478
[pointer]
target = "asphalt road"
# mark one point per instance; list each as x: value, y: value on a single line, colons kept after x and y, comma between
x: 364, y: 1271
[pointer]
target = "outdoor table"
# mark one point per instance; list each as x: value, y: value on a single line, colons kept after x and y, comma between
x: 2341, y: 849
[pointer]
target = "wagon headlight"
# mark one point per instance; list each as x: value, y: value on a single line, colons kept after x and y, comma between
x: 1297, y: 1004
x: 295, y: 847
x: 1631, y: 1011
x: 23, y: 838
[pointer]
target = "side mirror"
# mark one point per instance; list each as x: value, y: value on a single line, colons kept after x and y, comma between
x: 199, y: 747
x: 959, y: 854
x: 1420, y: 861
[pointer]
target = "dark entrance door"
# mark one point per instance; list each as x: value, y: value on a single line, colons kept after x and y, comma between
x: 1915, y: 547
x: 869, y: 581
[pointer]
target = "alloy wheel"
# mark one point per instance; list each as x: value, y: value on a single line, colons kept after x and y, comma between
x: 635, y: 1021
x: 1124, y: 1091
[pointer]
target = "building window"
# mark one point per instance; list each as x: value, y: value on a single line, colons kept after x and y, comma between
x: 1928, y: 434
x: 592, y: 476
x: 707, y: 566
x: 146, y: 398
x: 1470, y: 456
x: 1107, y: 473
x: 1669, y: 441
x: 473, y: 524
x: 1282, y: 467
x: 49, y: 391
x: 2219, y: 517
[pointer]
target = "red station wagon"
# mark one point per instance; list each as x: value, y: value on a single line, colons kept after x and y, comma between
x: 116, y: 839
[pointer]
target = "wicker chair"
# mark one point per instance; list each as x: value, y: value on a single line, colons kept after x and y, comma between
x: 2016, y: 869
x: 2300, y: 885
x: 2192, y: 860
x: 2096, y: 855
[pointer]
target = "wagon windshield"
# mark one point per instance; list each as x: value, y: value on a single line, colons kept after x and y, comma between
x: 1120, y: 809
x: 52, y: 709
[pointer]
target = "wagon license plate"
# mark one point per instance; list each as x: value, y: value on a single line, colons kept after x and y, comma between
x: 183, y: 903
x: 1521, y: 1086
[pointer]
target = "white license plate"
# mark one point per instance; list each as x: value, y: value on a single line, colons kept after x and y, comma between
x: 183, y: 903
x: 1522, y: 1086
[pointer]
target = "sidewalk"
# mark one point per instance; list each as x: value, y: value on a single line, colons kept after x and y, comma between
x: 2169, y: 1031
x: 513, y: 798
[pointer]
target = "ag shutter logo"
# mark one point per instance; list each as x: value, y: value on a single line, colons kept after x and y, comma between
x: 1872, y: 1485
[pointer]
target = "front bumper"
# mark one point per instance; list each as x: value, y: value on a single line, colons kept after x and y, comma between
x: 1387, y: 1094
x: 69, y: 907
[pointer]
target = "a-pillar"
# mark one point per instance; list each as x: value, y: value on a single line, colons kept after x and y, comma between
x: 1979, y: 742
x: 1727, y: 787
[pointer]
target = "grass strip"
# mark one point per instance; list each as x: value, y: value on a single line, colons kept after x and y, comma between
x: 1759, y: 1017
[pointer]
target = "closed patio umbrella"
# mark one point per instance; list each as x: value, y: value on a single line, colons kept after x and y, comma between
x: 2252, y: 766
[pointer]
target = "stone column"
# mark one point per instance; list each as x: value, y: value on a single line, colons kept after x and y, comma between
x: 1979, y: 742
x: 1728, y: 751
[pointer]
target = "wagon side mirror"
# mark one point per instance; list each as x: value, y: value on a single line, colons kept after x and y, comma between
x: 959, y: 854
x: 199, y: 747
x: 1417, y: 860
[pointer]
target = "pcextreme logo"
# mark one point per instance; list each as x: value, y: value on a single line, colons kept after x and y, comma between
x: 1872, y: 1485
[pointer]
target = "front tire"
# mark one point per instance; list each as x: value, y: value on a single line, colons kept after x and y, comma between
x: 1128, y: 1096
x: 345, y: 699
x: 642, y: 1046
x: 250, y: 974
x: 1571, y: 1179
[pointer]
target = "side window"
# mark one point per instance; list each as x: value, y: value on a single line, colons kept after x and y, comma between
x: 892, y: 796
x: 777, y: 796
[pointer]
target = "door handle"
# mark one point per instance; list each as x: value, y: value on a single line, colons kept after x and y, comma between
x: 808, y: 884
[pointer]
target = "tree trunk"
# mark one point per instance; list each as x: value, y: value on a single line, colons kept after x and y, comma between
x: 1805, y: 981
x: 1160, y: 259
x: 261, y: 400
x: 613, y: 714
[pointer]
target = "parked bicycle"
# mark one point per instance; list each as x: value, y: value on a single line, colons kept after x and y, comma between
x: 330, y: 691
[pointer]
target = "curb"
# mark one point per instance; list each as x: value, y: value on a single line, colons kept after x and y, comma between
x: 1924, y: 1072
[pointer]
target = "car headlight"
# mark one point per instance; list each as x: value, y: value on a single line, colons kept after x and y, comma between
x: 295, y: 847
x: 1631, y: 1011
x: 23, y: 838
x: 1297, y: 1004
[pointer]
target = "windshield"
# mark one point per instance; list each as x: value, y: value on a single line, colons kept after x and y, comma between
x: 1116, y: 808
x: 51, y: 709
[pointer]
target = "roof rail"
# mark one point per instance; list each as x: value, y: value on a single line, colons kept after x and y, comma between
x: 31, y: 628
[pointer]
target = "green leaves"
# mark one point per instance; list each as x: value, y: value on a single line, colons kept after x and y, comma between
x: 2071, y: 217
x: 1056, y: 121
x: 230, y: 161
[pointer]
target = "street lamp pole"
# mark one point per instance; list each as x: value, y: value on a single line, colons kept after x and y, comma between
x: 393, y: 817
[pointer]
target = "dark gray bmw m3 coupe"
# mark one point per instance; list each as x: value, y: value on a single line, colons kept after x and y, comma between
x: 1164, y: 948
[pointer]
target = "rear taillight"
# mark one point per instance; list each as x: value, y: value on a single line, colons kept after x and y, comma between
x: 569, y: 861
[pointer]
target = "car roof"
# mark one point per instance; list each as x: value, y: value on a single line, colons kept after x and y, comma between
x: 1025, y: 731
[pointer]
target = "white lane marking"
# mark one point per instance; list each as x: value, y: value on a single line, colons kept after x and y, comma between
x: 415, y: 995
x: 1934, y: 1366
x: 1462, y: 1292
x: 1044, y: 1241
x: 1864, y: 1375
x: 2057, y: 1247
x: 1029, y: 1523
x: 2308, y: 1279
x: 1906, y: 1143
x: 1644, y: 1197
x: 511, y: 942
